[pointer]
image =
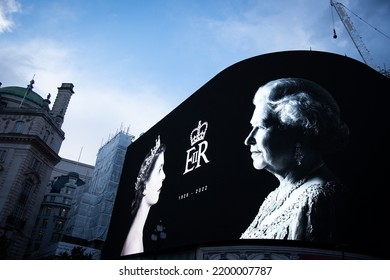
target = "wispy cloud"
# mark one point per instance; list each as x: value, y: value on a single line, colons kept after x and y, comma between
x: 7, y: 9
x: 48, y: 60
x: 102, y: 110
x: 98, y: 107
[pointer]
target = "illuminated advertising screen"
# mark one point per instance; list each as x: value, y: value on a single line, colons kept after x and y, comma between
x: 285, y: 146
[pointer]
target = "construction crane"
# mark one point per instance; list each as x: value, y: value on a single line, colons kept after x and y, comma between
x: 356, y: 38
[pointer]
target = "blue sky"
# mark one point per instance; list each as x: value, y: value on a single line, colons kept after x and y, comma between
x: 132, y: 62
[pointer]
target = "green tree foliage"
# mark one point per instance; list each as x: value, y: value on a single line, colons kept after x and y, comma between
x: 77, y: 253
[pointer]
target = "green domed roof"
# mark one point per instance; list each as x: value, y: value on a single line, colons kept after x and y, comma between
x: 20, y: 92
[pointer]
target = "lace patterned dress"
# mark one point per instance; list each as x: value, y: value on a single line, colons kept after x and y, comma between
x: 308, y: 213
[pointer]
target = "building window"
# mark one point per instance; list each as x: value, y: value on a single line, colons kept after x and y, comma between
x: 67, y: 201
x: 63, y: 212
x: 46, y: 135
x: 17, y: 216
x: 59, y: 224
x: 19, y: 127
x: 48, y: 211
x: 40, y: 234
x: 3, y: 153
x: 69, y: 190
x: 3, y: 104
x: 35, y: 165
x: 44, y: 223
x: 55, y: 237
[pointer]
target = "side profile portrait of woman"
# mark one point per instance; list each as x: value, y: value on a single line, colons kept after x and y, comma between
x: 147, y: 191
x: 294, y: 124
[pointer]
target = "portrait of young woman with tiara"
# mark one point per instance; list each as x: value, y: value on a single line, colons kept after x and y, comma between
x: 147, y: 191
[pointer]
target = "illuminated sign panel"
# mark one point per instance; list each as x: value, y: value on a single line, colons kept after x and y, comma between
x: 225, y: 167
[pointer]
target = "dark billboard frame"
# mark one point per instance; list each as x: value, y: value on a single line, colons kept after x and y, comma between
x: 212, y: 200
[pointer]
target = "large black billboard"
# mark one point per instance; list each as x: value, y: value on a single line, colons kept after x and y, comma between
x: 305, y: 161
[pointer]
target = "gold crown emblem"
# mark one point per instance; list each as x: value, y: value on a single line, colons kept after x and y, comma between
x: 198, y: 133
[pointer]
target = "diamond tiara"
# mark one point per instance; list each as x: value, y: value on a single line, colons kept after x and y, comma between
x: 146, y: 163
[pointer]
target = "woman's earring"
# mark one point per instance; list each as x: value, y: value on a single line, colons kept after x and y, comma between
x: 298, y: 153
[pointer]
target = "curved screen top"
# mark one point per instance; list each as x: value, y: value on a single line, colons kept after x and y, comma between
x: 308, y: 167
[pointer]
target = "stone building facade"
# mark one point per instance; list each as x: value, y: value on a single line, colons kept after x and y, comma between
x: 30, y: 139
